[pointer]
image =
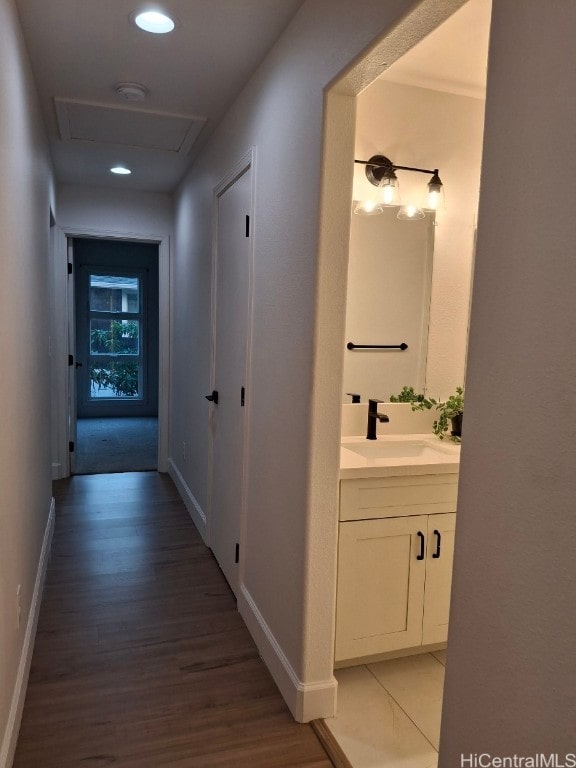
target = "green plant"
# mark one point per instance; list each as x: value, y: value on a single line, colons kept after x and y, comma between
x: 408, y: 395
x: 117, y: 337
x: 450, y: 409
x: 120, y: 377
x: 447, y: 410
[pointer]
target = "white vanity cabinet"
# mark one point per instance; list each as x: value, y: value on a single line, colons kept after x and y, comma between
x: 395, y: 554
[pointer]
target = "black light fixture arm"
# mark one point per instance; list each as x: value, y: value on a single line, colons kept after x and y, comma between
x: 379, y: 167
x: 397, y: 167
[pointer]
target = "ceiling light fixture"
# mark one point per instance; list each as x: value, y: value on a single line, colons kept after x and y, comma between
x: 154, y: 21
x: 381, y: 173
x: 120, y: 170
x: 131, y: 91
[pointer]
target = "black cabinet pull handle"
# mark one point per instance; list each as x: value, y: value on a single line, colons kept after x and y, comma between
x: 213, y: 397
x: 421, y: 537
x: 438, y: 540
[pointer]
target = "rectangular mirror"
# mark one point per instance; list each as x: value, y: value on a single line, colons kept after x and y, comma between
x: 389, y: 283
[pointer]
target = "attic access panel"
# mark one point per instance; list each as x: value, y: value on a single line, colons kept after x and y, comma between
x: 125, y: 126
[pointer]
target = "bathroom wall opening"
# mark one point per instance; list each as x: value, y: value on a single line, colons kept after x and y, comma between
x: 369, y: 112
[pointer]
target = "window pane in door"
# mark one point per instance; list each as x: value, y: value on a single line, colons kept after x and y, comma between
x: 110, y: 293
x: 115, y: 380
x: 114, y: 337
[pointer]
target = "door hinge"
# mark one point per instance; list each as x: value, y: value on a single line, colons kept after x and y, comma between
x: 242, y: 396
x: 71, y: 446
x: 247, y: 225
x: 69, y: 268
x: 237, y: 558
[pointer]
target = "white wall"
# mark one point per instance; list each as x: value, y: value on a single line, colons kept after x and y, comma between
x: 288, y: 553
x: 511, y: 674
x: 95, y: 208
x: 424, y: 128
x: 25, y: 490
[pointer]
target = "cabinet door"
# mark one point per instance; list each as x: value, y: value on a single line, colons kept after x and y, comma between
x: 380, y: 586
x: 439, y: 557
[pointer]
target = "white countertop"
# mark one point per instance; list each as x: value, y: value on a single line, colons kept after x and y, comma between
x: 429, y: 455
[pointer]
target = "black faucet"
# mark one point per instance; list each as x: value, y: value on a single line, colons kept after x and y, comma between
x: 374, y: 416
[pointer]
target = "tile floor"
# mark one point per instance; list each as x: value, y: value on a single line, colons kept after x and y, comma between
x: 389, y: 712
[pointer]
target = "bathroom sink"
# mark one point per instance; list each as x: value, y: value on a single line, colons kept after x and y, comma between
x: 400, y: 449
x: 397, y: 454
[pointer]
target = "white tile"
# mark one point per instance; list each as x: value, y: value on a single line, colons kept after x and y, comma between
x: 416, y: 683
x: 441, y: 656
x: 372, y: 729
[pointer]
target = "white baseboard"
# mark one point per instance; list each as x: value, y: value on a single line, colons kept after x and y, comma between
x: 307, y: 701
x: 58, y: 471
x: 194, y: 509
x: 8, y: 747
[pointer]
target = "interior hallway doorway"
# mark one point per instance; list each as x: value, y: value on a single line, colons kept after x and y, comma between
x: 116, y: 360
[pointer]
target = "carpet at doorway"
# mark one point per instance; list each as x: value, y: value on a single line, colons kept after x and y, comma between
x: 116, y: 445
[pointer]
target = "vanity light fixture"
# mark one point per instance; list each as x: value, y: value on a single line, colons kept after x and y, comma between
x: 120, y: 170
x: 381, y: 173
x: 154, y: 21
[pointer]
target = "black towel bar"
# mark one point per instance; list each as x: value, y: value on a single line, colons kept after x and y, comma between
x: 402, y: 346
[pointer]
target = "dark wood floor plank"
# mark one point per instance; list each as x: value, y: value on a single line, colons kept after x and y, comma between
x: 141, y: 658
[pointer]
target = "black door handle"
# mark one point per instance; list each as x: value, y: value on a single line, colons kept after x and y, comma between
x: 78, y: 365
x: 213, y: 397
x: 421, y: 537
x: 438, y: 540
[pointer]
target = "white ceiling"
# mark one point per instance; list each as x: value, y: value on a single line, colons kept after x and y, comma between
x: 453, y: 58
x: 80, y: 49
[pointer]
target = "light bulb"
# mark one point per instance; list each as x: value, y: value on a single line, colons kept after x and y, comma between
x: 154, y: 21
x: 367, y: 208
x: 410, y: 213
x: 388, y: 194
x: 435, y: 192
x: 433, y: 199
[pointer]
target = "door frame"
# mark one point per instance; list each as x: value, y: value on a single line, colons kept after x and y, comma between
x: 246, y: 163
x: 64, y: 323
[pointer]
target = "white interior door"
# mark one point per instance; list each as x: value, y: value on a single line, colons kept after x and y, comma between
x: 232, y: 297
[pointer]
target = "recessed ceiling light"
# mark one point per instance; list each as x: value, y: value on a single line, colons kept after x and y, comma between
x: 154, y: 21
x: 121, y: 170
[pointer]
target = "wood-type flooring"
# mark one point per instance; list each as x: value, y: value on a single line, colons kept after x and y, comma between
x: 141, y: 658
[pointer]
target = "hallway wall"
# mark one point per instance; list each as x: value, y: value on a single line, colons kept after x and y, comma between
x: 26, y: 196
x: 114, y: 210
x: 287, y: 563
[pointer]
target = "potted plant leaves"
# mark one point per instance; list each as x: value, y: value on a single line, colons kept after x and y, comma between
x: 450, y: 411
